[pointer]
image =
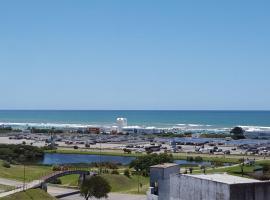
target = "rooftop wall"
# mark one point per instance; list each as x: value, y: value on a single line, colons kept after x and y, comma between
x: 250, y: 191
x: 190, y: 188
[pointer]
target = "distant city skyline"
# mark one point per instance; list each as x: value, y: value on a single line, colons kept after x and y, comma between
x: 135, y: 55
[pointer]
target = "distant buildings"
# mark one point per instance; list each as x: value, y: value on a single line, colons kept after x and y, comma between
x: 166, y: 183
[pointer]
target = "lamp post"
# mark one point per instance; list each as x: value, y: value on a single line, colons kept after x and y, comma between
x: 139, y: 180
x: 23, y: 176
x: 100, y: 157
x: 22, y: 159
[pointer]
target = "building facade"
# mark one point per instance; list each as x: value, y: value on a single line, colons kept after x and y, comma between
x: 166, y: 183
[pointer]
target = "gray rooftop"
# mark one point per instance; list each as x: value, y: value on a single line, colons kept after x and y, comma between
x: 224, y: 178
x: 164, y: 165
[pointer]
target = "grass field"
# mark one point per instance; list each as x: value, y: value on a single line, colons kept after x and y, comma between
x: 16, y: 172
x: 119, y: 183
x: 33, y: 194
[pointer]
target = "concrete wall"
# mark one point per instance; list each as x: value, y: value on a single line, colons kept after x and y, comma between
x: 190, y: 188
x: 161, y: 177
x: 250, y: 191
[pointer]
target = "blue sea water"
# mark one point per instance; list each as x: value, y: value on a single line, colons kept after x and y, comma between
x: 142, y: 118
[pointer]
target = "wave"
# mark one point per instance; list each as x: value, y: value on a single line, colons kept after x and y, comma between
x: 46, y: 125
x: 255, y: 128
x: 180, y: 127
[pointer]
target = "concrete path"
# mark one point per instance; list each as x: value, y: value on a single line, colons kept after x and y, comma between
x: 55, y: 191
x: 30, y: 185
x: 112, y: 196
x: 9, y: 182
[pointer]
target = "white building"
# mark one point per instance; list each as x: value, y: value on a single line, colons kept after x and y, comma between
x: 121, y: 122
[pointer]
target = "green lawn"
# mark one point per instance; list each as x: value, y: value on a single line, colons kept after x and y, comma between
x: 33, y: 194
x: 16, y: 172
x: 123, y: 184
x: 70, y: 180
x: 119, y: 183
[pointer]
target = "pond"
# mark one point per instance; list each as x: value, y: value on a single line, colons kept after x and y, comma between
x: 56, y: 158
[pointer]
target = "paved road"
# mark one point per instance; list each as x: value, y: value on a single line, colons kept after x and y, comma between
x: 112, y: 196
x: 54, y: 191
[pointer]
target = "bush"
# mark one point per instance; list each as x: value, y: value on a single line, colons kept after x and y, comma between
x: 56, y: 181
x: 6, y: 164
x: 56, y: 168
x: 198, y: 159
x: 115, y: 172
x: 20, y: 153
x: 190, y: 159
x: 143, y: 163
x: 127, y: 173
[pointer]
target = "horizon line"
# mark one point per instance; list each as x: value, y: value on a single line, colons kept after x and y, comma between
x: 261, y: 110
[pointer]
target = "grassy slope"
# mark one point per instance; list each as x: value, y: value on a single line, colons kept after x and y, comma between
x: 119, y: 183
x: 16, y: 172
x: 33, y: 194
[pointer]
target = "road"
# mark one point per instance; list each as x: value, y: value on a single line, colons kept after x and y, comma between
x: 112, y: 196
x: 54, y: 191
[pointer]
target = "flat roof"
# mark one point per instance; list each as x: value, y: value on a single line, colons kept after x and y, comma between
x: 224, y: 178
x: 164, y: 165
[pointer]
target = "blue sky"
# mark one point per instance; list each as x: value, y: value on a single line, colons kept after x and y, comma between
x: 134, y: 54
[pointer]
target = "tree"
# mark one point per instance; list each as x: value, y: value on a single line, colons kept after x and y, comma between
x: 143, y: 163
x: 127, y: 173
x: 95, y: 186
x: 238, y: 133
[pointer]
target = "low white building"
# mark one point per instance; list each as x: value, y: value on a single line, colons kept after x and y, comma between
x: 166, y: 183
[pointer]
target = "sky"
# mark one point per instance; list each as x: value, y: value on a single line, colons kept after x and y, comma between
x: 137, y: 54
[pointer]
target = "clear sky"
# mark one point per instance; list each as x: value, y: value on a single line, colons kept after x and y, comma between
x: 137, y: 54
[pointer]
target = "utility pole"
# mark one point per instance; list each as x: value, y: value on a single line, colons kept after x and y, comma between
x: 138, y: 181
x: 23, y: 176
x: 100, y: 157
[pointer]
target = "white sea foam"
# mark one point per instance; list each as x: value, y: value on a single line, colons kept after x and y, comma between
x: 255, y: 128
x: 44, y: 125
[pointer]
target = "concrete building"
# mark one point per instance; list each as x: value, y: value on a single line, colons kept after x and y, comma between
x: 166, y: 183
x: 121, y: 122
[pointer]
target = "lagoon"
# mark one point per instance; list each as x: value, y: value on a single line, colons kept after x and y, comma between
x: 60, y: 159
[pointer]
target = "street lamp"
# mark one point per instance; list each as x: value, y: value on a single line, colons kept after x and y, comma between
x: 22, y: 158
x: 139, y: 180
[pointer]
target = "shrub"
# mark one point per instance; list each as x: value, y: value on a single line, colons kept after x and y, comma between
x: 143, y: 163
x: 56, y: 168
x: 127, y: 173
x: 6, y: 164
x: 115, y: 172
x: 198, y: 159
x: 56, y: 181
x: 190, y: 158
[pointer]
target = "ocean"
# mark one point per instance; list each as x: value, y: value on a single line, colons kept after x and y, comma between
x: 256, y: 120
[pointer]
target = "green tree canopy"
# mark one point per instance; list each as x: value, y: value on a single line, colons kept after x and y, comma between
x: 143, y: 163
x: 95, y: 186
x: 238, y: 133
